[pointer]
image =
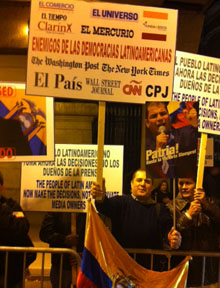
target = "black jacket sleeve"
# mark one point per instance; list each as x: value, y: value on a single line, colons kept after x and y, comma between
x: 49, y: 232
x: 13, y: 225
x: 212, y: 209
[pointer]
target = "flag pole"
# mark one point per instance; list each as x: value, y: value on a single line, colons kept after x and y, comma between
x: 174, y: 203
x: 201, y: 165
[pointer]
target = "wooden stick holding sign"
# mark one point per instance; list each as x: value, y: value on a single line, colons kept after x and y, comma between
x: 201, y: 162
x: 174, y: 203
x: 201, y: 165
x: 100, y: 140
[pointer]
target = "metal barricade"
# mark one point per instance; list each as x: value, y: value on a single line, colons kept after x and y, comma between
x: 134, y: 252
x: 170, y: 253
x: 43, y: 251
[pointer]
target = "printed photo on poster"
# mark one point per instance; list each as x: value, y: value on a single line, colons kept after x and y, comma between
x: 171, y: 139
x: 26, y: 125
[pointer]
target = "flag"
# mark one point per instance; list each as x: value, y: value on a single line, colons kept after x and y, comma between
x: 106, y: 264
x: 159, y: 16
x: 184, y: 114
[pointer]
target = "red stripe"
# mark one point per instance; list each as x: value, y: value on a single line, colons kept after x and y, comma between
x: 83, y: 281
x: 150, y: 36
x: 155, y: 15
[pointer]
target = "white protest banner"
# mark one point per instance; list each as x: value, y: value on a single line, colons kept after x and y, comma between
x: 26, y: 125
x: 101, y: 51
x: 64, y: 185
x: 197, y: 78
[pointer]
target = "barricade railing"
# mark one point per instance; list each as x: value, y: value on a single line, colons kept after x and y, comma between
x: 170, y: 253
x: 37, y: 250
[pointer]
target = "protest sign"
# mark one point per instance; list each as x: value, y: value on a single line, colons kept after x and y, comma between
x: 27, y: 125
x: 171, y: 140
x: 197, y: 78
x: 64, y: 185
x: 101, y: 51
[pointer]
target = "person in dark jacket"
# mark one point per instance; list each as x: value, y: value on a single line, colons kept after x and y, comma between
x: 162, y: 194
x: 56, y: 231
x: 14, y: 227
x: 135, y: 220
x: 198, y: 220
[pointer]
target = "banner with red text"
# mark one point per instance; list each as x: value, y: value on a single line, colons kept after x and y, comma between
x: 26, y: 125
x: 101, y: 51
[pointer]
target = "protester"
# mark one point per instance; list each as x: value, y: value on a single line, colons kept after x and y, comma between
x: 136, y: 221
x: 161, y: 194
x: 14, y: 228
x: 170, y: 151
x: 56, y: 231
x: 198, y: 219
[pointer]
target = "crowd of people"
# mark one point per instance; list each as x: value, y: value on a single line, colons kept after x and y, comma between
x: 14, y: 229
x: 141, y: 218
x: 137, y: 221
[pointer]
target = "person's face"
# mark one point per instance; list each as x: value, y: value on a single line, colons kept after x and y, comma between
x: 163, y: 186
x: 141, y: 186
x: 186, y: 187
x: 157, y: 116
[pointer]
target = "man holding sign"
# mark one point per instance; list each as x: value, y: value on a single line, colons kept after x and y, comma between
x: 198, y: 219
x: 136, y: 221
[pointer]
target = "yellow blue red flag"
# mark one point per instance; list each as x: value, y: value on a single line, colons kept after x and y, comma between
x: 106, y: 264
